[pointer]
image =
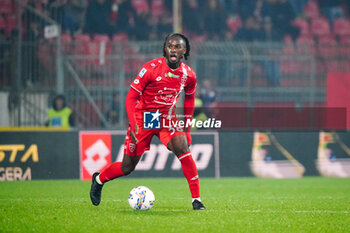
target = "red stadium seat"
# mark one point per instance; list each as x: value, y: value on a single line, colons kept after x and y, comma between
x: 132, y: 63
x: 341, y: 27
x: 332, y: 66
x: 81, y: 42
x: 158, y: 8
x: 320, y: 26
x: 5, y: 6
x: 345, y: 46
x: 344, y: 66
x: 306, y: 45
x: 11, y: 23
x: 101, y: 38
x: 345, y: 40
x: 2, y: 22
x: 120, y: 37
x: 291, y: 67
x: 303, y: 25
x: 99, y: 50
x: 288, y: 49
x: 311, y: 9
x: 140, y: 5
x: 66, y: 41
x: 327, y: 46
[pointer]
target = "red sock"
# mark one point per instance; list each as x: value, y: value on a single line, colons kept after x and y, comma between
x: 111, y: 172
x: 190, y: 171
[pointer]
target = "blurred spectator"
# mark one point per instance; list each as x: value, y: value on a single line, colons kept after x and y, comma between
x: 214, y: 20
x: 231, y: 6
x: 165, y: 26
x: 262, y: 10
x: 199, y: 111
x: 331, y: 9
x: 271, y: 62
x: 56, y: 9
x: 298, y: 6
x: 143, y: 27
x: 60, y: 115
x: 97, y: 19
x: 13, y: 57
x: 282, y: 18
x: 123, y: 16
x: 74, y: 14
x: 37, y: 5
x: 113, y: 113
x: 193, y: 17
x: 208, y: 95
x: 246, y: 8
x: 269, y: 34
x: 272, y: 69
x: 4, y: 53
x: 30, y: 59
x: 250, y: 31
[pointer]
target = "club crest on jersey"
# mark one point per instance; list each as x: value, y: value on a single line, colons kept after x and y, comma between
x: 132, y: 147
x: 142, y: 72
x: 171, y: 75
x: 151, y: 120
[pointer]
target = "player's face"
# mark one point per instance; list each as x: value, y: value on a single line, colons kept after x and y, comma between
x: 175, y: 48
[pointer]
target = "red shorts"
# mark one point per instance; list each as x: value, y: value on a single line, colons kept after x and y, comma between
x: 144, y: 137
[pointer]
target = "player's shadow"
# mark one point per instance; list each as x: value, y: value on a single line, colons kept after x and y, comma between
x: 155, y: 212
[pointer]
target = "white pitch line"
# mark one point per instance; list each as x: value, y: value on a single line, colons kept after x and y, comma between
x: 180, y: 210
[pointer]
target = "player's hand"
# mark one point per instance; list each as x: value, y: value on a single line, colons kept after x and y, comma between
x: 133, y: 134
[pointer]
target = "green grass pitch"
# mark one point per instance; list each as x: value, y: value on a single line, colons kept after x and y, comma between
x: 312, y: 204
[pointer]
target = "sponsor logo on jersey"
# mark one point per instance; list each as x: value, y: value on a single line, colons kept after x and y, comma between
x: 142, y: 72
x: 171, y: 75
x: 158, y: 78
x: 137, y: 81
x: 151, y: 120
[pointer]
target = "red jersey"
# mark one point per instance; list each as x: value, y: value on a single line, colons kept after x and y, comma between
x: 160, y: 86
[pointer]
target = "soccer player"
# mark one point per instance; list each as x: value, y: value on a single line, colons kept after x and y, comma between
x: 157, y: 88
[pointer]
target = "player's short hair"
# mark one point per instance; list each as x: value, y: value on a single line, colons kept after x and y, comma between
x: 188, y: 47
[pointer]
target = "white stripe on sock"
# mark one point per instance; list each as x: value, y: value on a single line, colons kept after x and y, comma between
x: 197, y: 198
x: 185, y: 155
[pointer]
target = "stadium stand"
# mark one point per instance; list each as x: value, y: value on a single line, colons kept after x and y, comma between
x: 113, y: 57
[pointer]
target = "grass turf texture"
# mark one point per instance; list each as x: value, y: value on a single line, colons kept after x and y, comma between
x: 233, y: 205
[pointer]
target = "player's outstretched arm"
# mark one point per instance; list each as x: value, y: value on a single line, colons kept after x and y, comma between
x: 130, y: 104
x: 188, y: 111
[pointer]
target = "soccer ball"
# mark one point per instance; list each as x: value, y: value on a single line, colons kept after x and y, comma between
x: 141, y: 198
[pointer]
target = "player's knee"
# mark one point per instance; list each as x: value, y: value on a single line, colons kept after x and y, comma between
x: 127, y: 168
x: 181, y: 150
x: 179, y: 145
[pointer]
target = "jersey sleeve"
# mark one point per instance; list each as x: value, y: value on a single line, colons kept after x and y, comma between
x: 141, y: 80
x: 191, y: 84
